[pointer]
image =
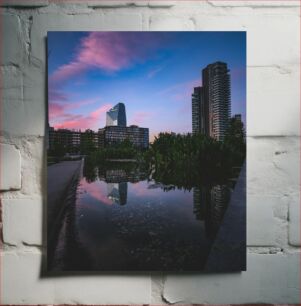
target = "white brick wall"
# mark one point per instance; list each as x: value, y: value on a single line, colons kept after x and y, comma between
x: 273, y: 167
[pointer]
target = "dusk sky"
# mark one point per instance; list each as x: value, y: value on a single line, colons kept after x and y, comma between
x: 152, y: 73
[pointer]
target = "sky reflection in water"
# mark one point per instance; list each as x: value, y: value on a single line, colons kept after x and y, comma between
x: 120, y: 225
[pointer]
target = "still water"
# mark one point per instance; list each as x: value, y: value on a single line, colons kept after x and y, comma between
x: 123, y: 220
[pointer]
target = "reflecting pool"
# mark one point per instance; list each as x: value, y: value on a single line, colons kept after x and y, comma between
x: 125, y: 220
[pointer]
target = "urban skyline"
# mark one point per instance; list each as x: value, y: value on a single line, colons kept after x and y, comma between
x: 154, y: 79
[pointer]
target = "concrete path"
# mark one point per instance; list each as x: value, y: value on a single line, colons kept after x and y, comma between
x: 60, y: 177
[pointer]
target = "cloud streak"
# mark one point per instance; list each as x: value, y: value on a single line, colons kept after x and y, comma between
x: 153, y: 72
x: 60, y: 118
x: 108, y: 51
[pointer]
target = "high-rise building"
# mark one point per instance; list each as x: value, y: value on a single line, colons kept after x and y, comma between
x: 116, y: 116
x: 211, y: 103
x: 216, y: 83
x: 117, y: 192
x: 116, y: 130
x: 199, y: 117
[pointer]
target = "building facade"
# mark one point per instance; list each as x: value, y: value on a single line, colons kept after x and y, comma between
x: 211, y: 103
x: 116, y: 116
x: 112, y: 135
x: 199, y: 123
x: 72, y: 141
x: 65, y: 138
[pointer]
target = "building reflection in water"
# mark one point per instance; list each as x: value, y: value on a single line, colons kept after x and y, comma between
x: 210, y: 205
x: 117, y: 192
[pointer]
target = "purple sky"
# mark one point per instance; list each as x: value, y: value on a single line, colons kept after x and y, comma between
x: 152, y: 73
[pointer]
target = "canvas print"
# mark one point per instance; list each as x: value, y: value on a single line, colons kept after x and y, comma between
x: 146, y: 151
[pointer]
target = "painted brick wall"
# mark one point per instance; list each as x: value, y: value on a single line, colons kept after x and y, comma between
x: 273, y: 167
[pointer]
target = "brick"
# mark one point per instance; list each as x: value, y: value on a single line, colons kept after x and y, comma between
x: 33, y: 155
x: 24, y: 3
x: 261, y: 223
x: 170, y: 23
x: 268, y: 279
x: 265, y: 30
x: 11, y: 84
x: 12, y: 45
x: 162, y: 3
x: 273, y: 165
x: 250, y: 3
x: 10, y: 167
x: 22, y: 284
x: 273, y: 88
x: 122, y: 22
x: 115, y: 3
x: 22, y: 221
x: 122, y: 4
x: 23, y: 109
x: 294, y: 220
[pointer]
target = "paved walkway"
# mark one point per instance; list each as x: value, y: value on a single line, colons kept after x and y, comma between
x: 60, y: 177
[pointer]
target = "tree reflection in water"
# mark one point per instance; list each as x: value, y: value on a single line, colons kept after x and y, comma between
x: 211, y: 191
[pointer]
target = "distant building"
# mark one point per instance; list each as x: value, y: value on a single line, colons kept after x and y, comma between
x: 89, y: 139
x: 116, y: 130
x: 237, y: 117
x: 63, y: 137
x: 116, y: 116
x: 71, y: 140
x: 211, y: 103
x: 117, y: 192
x: 112, y: 135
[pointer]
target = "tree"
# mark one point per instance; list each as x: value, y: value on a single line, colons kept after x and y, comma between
x: 234, y: 140
x: 87, y: 144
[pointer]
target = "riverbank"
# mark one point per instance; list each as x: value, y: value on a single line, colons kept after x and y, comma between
x: 62, y: 181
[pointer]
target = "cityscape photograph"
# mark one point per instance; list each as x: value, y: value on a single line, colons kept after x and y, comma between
x: 146, y: 151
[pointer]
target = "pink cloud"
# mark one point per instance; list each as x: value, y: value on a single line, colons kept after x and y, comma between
x: 109, y: 51
x: 57, y: 109
x: 67, y: 71
x: 93, y: 120
x: 57, y: 95
x: 95, y: 191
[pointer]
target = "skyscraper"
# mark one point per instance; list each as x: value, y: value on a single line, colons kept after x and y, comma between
x: 116, y: 116
x: 198, y: 111
x: 211, y: 104
x: 116, y: 130
x: 216, y: 83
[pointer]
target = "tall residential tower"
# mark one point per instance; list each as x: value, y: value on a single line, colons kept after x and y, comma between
x: 211, y: 103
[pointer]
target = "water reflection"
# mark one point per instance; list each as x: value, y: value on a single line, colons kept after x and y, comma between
x: 117, y: 192
x: 125, y: 219
x: 209, y: 205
